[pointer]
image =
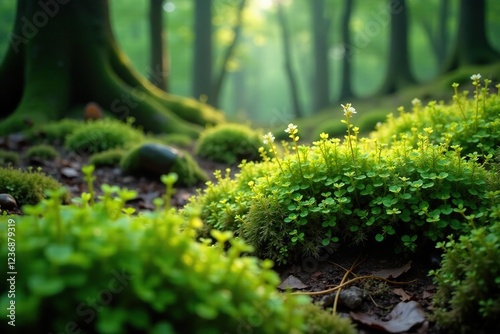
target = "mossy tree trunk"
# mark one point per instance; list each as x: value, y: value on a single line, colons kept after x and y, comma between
x: 63, y: 54
x: 398, y: 69
x: 471, y: 44
x: 159, y: 46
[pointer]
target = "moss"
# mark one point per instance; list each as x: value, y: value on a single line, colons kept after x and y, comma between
x: 42, y: 151
x: 53, y: 132
x: 102, y: 135
x: 107, y: 158
x: 229, y: 143
x: 7, y: 157
x: 27, y: 187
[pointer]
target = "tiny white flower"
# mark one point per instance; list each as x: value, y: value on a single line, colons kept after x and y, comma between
x: 475, y: 77
x: 416, y: 102
x: 268, y: 138
x: 348, y: 109
x: 290, y: 128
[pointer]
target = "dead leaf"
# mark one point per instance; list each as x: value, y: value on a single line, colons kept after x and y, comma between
x: 292, y: 282
x: 402, y: 293
x: 393, y: 272
x: 316, y: 275
x: 403, y: 317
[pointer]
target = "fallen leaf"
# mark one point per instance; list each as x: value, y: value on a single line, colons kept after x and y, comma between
x: 292, y: 282
x: 393, y: 272
x: 428, y: 295
x: 316, y: 275
x: 402, y: 293
x: 403, y: 317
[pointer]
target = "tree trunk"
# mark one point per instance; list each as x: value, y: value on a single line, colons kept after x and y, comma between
x: 321, y: 83
x: 159, y: 51
x: 471, y: 44
x: 66, y: 55
x: 442, y: 33
x: 285, y: 36
x: 202, y: 66
x: 219, y: 80
x: 346, y: 83
x: 398, y: 68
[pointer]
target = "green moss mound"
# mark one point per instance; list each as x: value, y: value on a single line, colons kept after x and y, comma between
x: 98, y: 268
x: 468, y: 294
x: 27, y: 187
x: 9, y: 158
x: 229, y: 143
x: 471, y: 122
x: 107, y: 158
x: 42, y: 151
x: 53, y: 132
x: 101, y: 135
x: 405, y: 195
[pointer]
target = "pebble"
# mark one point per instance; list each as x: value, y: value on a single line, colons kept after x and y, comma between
x: 7, y: 202
x: 350, y: 298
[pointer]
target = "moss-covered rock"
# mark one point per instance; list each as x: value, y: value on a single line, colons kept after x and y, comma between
x: 42, y: 151
x: 154, y: 160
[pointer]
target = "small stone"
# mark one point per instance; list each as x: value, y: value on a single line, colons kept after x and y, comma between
x: 7, y: 202
x: 350, y: 298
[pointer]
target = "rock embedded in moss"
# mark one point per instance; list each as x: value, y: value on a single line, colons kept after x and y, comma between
x: 154, y: 160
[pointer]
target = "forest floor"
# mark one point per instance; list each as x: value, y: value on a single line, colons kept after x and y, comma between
x: 410, y: 287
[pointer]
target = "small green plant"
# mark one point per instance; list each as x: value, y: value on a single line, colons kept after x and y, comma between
x: 468, y: 295
x: 42, y: 151
x: 9, y: 158
x: 102, y: 135
x: 229, y: 143
x: 107, y: 158
x: 27, y: 187
x: 100, y: 268
x: 355, y: 191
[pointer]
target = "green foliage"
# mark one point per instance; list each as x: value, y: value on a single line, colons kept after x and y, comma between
x: 107, y: 158
x: 100, y: 268
x: 319, y: 321
x: 468, y: 294
x: 471, y: 123
x: 42, y: 151
x: 229, y: 143
x: 354, y: 191
x: 53, y: 132
x: 27, y: 187
x: 102, y: 135
x: 8, y: 157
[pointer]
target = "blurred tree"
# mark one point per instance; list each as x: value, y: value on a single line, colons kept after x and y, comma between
x: 219, y: 79
x: 202, y: 58
x: 471, y: 46
x: 346, y: 82
x: 63, y: 54
x: 398, y: 66
x: 285, y: 39
x: 160, y: 63
x: 320, y: 27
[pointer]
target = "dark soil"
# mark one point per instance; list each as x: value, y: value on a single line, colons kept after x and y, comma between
x: 380, y: 297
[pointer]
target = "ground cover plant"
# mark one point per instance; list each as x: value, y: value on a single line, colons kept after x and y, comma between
x: 96, y: 266
x: 407, y: 195
x: 229, y: 143
x: 468, y: 294
x: 42, y: 151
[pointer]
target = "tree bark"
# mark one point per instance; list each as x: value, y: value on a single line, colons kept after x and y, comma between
x: 158, y: 74
x: 66, y: 55
x: 320, y: 26
x: 202, y: 66
x: 398, y: 70
x: 285, y: 37
x: 219, y: 80
x: 471, y: 44
x: 346, y: 82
